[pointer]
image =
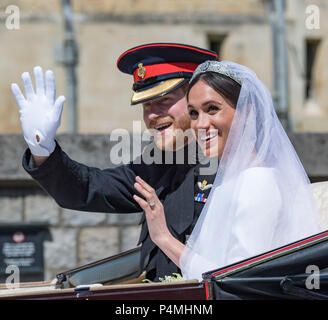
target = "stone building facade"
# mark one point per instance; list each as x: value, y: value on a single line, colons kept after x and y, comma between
x: 238, y: 29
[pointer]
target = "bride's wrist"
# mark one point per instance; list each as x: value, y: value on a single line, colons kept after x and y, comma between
x: 164, y: 240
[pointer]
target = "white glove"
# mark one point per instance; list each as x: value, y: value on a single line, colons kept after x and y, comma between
x: 40, y: 114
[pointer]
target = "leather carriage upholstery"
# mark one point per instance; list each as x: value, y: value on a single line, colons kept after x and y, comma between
x: 278, y: 274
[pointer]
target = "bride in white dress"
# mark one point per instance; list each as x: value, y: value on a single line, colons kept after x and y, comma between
x: 261, y: 197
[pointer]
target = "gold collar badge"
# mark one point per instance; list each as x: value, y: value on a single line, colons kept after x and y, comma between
x: 204, y: 183
x: 141, y: 70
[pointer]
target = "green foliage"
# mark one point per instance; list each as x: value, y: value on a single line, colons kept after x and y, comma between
x: 173, y: 278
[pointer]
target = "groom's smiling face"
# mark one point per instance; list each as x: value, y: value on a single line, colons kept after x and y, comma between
x: 168, y: 118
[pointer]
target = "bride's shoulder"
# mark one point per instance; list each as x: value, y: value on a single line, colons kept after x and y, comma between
x: 259, y: 184
x: 260, y: 177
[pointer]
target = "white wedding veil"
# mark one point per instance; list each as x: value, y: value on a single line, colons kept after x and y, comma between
x: 261, y: 197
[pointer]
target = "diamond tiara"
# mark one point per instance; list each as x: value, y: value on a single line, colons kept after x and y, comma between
x: 216, y: 66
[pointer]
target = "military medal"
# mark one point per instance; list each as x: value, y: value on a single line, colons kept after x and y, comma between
x: 200, y: 198
x: 204, y: 185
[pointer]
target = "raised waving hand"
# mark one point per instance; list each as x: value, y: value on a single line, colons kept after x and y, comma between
x: 40, y: 111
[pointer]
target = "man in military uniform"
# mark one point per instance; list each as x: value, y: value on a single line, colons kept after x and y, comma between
x: 161, y: 73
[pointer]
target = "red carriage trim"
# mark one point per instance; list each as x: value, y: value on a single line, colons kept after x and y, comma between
x: 206, y: 291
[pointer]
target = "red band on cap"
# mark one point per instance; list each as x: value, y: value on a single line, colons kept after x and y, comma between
x: 163, y: 68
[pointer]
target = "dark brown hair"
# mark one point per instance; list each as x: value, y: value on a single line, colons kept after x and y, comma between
x: 222, y: 84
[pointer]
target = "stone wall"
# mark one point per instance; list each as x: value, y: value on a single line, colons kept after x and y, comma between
x: 150, y: 7
x: 105, y: 29
x: 82, y: 237
x: 77, y: 237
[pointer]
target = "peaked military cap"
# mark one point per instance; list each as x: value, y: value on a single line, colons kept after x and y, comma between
x: 160, y: 68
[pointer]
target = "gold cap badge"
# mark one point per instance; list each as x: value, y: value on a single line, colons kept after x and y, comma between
x: 141, y: 70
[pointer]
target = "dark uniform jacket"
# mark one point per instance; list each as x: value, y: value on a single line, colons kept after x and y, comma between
x: 79, y: 187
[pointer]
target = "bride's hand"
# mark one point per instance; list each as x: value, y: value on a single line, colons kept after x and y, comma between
x: 154, y: 211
